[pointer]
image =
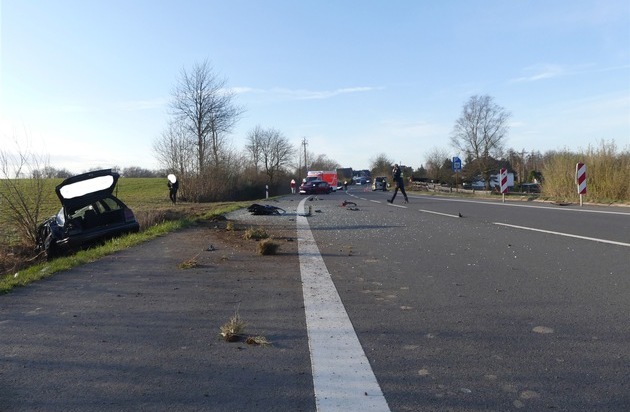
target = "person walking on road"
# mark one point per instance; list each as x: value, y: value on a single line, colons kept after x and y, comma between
x: 293, y: 184
x: 399, y: 182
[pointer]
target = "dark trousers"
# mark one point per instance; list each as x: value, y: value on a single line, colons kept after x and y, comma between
x: 172, y: 193
x: 400, y: 184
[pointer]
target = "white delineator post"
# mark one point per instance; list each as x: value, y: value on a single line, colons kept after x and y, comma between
x: 503, y: 177
x: 580, y: 179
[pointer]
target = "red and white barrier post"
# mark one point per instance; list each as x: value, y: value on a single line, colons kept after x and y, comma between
x: 503, y: 178
x: 580, y: 180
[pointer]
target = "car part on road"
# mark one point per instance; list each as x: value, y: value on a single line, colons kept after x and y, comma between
x: 256, y: 209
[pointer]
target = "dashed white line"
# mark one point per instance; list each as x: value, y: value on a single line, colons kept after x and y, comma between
x: 438, y: 213
x: 594, y: 239
x: 342, y: 376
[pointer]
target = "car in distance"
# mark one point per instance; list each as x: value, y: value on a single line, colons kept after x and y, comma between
x: 379, y: 183
x: 89, y: 213
x: 315, y: 187
x: 530, y: 188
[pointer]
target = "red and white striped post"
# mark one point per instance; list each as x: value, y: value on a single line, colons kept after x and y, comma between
x: 580, y: 179
x: 503, y: 178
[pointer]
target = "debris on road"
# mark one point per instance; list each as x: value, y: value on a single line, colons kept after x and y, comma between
x: 256, y: 209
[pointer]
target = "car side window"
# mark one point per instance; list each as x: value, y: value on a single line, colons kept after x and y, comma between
x: 111, y: 204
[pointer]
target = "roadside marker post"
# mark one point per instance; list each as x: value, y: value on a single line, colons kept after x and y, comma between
x: 580, y: 180
x: 503, y: 177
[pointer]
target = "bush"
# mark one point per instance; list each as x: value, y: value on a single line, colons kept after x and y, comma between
x: 607, y: 174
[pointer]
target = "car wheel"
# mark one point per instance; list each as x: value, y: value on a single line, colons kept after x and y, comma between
x: 50, y: 248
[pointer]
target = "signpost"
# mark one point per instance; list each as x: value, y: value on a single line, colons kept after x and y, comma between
x: 457, y: 164
x: 503, y: 182
x: 457, y: 167
x: 580, y: 180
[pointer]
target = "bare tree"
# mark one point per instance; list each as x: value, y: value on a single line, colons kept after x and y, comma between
x: 174, y: 150
x: 205, y: 107
x: 480, y: 132
x: 321, y: 162
x: 381, y: 165
x: 434, y: 161
x: 252, y: 147
x: 23, y: 189
x: 270, y: 149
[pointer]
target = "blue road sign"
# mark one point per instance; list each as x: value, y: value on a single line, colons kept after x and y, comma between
x: 457, y: 164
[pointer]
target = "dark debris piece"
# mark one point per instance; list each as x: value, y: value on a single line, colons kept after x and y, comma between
x: 256, y: 209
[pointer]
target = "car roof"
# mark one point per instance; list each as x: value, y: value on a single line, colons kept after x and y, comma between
x: 84, y: 189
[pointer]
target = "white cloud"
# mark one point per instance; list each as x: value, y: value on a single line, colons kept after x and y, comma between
x: 304, y: 94
x: 540, y: 72
x: 547, y: 71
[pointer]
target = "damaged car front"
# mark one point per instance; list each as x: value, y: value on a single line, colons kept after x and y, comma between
x: 89, y: 213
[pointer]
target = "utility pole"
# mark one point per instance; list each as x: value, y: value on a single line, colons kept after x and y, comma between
x: 305, y: 143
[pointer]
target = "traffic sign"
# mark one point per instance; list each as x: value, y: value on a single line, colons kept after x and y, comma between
x: 503, y: 178
x: 457, y: 164
x: 580, y: 178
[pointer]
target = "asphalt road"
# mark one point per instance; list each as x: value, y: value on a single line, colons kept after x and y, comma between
x: 453, y: 313
x: 464, y: 313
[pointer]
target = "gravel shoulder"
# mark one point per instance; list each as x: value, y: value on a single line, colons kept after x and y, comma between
x: 138, y: 331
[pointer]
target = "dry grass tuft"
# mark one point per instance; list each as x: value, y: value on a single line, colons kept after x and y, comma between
x: 232, y: 330
x: 189, y: 264
x: 267, y: 247
x: 257, y: 340
x: 255, y: 234
x: 229, y: 226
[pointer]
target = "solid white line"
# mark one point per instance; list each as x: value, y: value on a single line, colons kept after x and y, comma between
x: 594, y: 239
x: 438, y: 213
x: 342, y: 376
x: 493, y: 203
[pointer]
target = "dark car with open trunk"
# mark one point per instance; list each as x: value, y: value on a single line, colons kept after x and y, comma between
x: 89, y: 213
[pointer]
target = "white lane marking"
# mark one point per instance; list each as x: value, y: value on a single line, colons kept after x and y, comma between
x: 376, y: 201
x: 395, y: 205
x: 594, y: 239
x: 438, y: 213
x: 558, y: 208
x: 342, y: 376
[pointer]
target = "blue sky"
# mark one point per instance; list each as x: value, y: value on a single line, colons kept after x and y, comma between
x: 88, y: 82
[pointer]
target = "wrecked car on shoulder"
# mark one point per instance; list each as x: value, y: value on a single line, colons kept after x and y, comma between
x: 89, y: 213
